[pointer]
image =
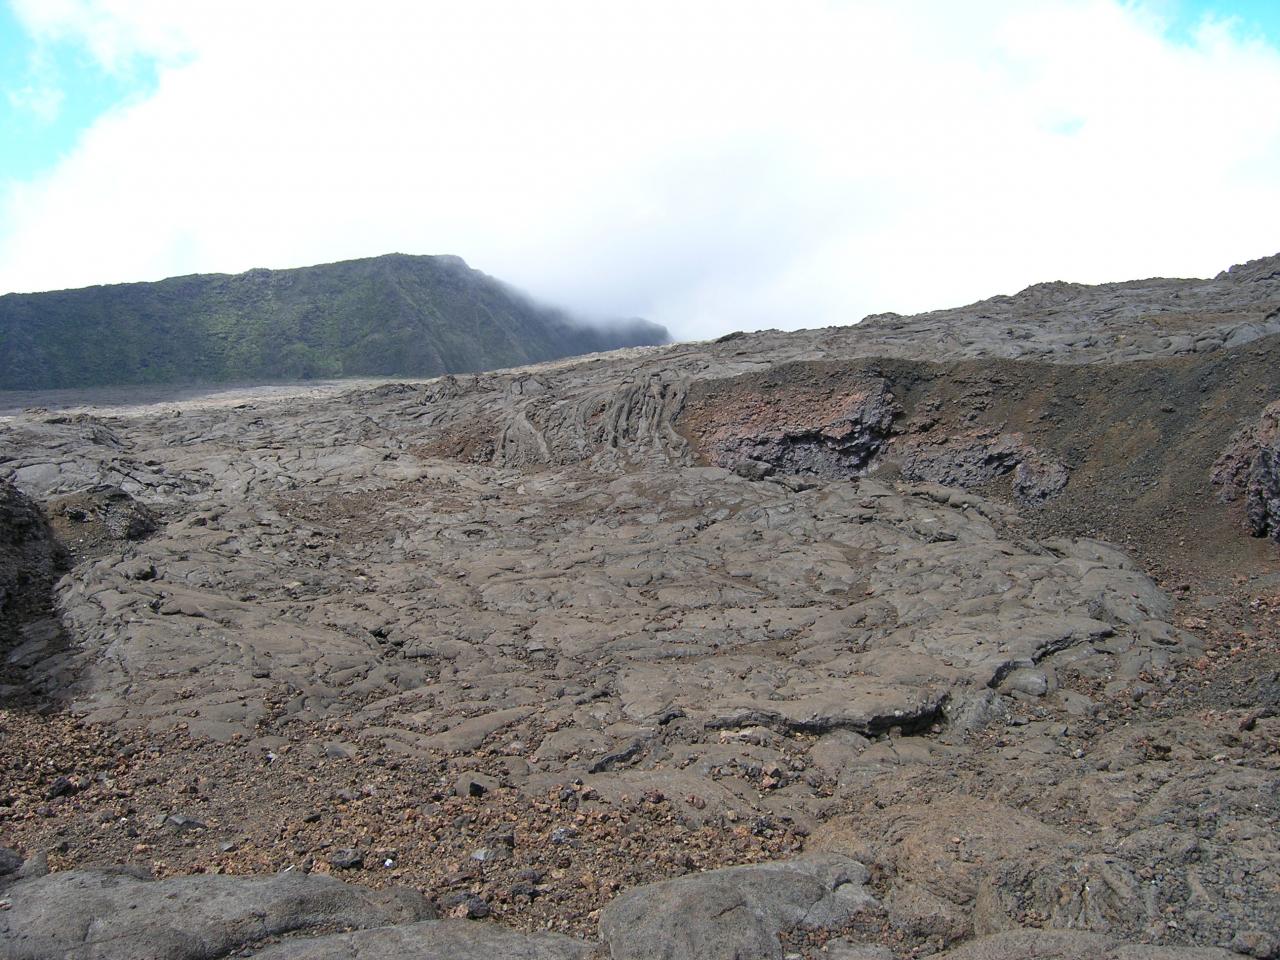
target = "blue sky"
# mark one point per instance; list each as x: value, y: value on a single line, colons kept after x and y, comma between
x: 1257, y: 17
x: 53, y: 89
x: 787, y: 164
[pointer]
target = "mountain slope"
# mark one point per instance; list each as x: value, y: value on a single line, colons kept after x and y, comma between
x: 394, y: 315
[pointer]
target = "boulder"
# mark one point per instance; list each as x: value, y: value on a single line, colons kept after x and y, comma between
x: 1072, y: 945
x: 736, y: 913
x: 117, y: 914
x: 99, y: 517
x: 432, y: 940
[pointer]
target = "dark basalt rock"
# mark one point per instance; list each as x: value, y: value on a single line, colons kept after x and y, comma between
x: 1262, y: 496
x: 1249, y: 470
x: 30, y: 561
x: 980, y: 457
x: 100, y: 513
x: 811, y: 434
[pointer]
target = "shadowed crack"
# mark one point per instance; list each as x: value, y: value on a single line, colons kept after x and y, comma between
x: 911, y: 721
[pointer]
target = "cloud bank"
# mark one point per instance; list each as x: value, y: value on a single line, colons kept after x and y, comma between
x: 711, y: 166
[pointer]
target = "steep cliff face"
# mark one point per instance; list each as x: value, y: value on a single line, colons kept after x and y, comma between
x: 395, y: 315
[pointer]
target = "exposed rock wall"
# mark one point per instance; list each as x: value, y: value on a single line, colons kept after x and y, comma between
x: 1249, y: 472
x: 806, y: 430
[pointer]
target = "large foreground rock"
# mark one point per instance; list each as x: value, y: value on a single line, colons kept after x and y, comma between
x: 116, y: 915
x: 1073, y: 945
x: 739, y: 913
x: 736, y: 913
x: 432, y: 940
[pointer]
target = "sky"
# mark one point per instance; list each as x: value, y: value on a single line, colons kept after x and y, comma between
x: 712, y: 166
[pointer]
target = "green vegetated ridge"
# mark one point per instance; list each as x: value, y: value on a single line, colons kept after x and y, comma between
x: 395, y: 315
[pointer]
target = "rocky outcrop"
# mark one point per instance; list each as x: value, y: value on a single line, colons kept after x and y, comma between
x: 1249, y: 471
x: 976, y: 457
x: 850, y: 427
x: 30, y: 562
x: 807, y: 431
x: 98, y: 518
x: 1262, y: 504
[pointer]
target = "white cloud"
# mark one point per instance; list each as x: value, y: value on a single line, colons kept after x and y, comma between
x: 711, y: 166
